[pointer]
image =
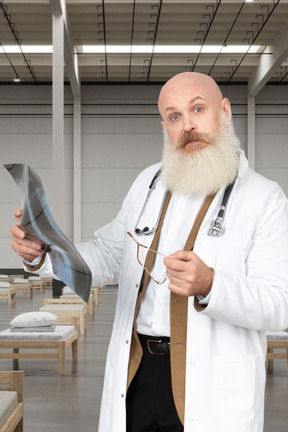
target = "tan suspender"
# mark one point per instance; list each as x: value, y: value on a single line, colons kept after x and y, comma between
x: 136, y: 349
x: 178, y: 315
x: 178, y: 325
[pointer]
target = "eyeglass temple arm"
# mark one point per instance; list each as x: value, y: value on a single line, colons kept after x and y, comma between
x: 146, y: 247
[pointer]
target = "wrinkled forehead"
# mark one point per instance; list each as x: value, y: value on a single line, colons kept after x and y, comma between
x: 186, y: 87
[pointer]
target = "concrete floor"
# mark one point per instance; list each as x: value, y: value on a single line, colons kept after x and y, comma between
x: 71, y: 403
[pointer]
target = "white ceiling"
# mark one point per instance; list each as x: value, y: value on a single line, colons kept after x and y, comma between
x: 140, y: 22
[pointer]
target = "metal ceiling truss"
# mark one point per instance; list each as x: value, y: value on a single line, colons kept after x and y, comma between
x: 255, y: 36
x: 151, y: 24
x: 215, y: 10
x: 227, y: 36
x: 18, y: 41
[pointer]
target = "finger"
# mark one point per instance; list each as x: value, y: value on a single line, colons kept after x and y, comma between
x: 18, y: 215
x: 176, y: 265
x: 181, y: 290
x: 179, y: 281
x: 26, y: 252
x: 182, y: 255
x: 25, y: 248
x: 17, y: 232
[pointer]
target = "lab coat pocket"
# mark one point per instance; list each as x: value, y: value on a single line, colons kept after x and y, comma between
x: 237, y: 394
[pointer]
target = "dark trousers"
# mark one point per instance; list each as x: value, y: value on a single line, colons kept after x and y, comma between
x: 149, y: 404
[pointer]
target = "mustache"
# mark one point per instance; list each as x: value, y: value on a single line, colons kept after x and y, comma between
x: 193, y: 136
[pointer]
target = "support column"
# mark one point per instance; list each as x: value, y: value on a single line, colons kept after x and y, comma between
x: 63, y: 49
x: 58, y: 120
x: 77, y: 171
x: 251, y: 132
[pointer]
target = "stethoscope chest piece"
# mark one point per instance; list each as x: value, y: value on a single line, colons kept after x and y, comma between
x: 216, y: 228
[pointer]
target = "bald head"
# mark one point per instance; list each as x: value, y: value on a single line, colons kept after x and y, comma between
x: 189, y: 102
x: 193, y: 82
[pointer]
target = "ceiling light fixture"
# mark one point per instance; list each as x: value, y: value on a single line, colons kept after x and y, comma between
x: 138, y: 49
x: 167, y: 49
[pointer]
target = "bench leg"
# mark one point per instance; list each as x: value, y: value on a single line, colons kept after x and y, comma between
x: 270, y: 362
x: 62, y: 358
x: 91, y: 306
x: 74, y: 347
x: 82, y: 323
x: 15, y: 360
x: 97, y: 296
x: 19, y: 427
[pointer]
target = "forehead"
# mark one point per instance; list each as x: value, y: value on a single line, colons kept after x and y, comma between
x: 182, y: 102
x: 178, y: 96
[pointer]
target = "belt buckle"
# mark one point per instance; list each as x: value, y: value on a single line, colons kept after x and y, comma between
x: 149, y: 348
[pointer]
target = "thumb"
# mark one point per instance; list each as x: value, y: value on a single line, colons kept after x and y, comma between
x: 182, y: 255
x: 18, y: 215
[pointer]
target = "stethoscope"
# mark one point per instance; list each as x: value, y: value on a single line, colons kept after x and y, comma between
x: 216, y: 228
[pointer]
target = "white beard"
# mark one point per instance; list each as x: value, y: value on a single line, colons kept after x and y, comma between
x: 204, y: 171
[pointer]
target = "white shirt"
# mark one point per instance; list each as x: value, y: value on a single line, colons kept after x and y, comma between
x: 154, y: 314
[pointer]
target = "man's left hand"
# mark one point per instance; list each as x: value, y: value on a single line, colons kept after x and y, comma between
x: 188, y: 274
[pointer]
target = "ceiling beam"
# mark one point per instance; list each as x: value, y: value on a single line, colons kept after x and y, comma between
x: 58, y: 7
x: 272, y: 59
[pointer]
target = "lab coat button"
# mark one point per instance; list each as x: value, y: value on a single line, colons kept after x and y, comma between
x: 127, y: 341
x: 122, y: 395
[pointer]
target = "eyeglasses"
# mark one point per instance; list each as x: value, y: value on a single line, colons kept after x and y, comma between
x: 142, y: 265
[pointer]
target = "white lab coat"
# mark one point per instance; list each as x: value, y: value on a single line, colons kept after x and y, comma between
x: 226, y: 343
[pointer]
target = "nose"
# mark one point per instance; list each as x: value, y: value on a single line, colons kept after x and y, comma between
x: 188, y: 123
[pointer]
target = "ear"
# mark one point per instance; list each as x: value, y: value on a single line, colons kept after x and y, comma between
x: 226, y: 107
x: 163, y: 124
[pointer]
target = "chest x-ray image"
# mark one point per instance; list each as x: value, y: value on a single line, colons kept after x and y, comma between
x: 39, y: 224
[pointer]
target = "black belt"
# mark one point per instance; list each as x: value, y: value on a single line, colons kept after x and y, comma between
x: 156, y: 345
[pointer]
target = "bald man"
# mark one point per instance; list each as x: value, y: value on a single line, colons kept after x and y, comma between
x: 188, y: 345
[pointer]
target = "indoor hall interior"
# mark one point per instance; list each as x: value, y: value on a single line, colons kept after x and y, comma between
x: 71, y: 403
x: 79, y: 83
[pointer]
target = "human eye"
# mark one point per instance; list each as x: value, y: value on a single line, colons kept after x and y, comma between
x: 198, y: 109
x: 174, y: 117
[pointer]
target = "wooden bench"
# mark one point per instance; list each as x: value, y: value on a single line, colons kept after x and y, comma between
x: 21, y: 284
x: 41, y: 344
x: 7, y: 292
x: 67, y: 310
x: 48, y: 282
x: 37, y: 283
x: 5, y: 278
x: 75, y: 299
x: 11, y: 401
x: 276, y: 341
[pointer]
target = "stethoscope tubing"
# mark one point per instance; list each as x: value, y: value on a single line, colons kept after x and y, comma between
x: 216, y: 228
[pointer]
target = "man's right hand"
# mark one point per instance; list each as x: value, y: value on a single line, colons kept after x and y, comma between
x: 25, y: 248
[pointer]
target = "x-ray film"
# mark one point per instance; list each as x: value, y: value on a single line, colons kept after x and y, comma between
x: 38, y: 223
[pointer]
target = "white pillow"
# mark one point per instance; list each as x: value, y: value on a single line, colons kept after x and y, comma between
x: 33, y: 319
x: 4, y: 285
x: 67, y: 290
